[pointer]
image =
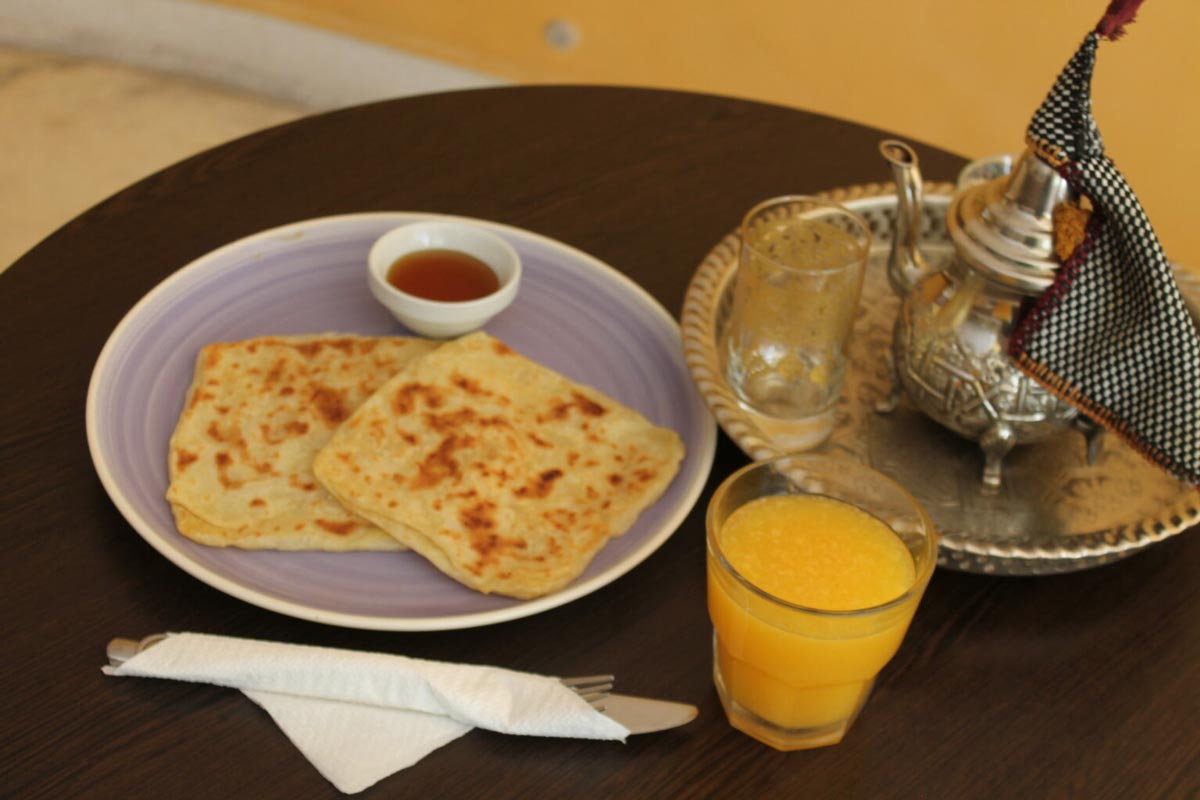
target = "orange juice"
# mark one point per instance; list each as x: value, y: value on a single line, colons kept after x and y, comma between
x: 822, y: 604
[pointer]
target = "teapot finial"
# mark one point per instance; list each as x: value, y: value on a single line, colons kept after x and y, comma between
x: 906, y: 265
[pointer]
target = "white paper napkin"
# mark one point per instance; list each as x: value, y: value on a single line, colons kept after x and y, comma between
x: 359, y: 717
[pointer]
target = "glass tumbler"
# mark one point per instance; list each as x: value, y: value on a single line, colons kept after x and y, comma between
x: 794, y: 676
x: 799, y: 277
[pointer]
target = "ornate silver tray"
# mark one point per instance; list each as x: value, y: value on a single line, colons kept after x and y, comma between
x: 1055, y: 512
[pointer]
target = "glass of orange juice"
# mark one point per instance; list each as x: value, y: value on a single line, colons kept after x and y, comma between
x: 815, y: 567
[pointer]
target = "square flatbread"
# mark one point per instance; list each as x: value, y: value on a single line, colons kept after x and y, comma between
x: 257, y: 412
x: 504, y: 474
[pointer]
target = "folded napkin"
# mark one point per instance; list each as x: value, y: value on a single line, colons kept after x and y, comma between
x: 1112, y: 334
x: 359, y: 717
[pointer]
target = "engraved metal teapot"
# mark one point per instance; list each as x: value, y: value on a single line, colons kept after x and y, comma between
x: 950, y: 347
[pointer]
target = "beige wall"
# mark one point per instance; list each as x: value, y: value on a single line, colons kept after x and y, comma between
x: 960, y: 74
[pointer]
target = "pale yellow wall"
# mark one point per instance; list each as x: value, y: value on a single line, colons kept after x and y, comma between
x: 960, y: 74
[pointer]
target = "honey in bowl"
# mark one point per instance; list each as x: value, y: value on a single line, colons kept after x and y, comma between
x: 443, y: 275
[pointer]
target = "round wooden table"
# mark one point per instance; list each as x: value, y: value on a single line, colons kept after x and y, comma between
x: 1081, y: 685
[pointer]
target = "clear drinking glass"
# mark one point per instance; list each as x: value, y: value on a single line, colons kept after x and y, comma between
x: 792, y: 676
x: 799, y: 277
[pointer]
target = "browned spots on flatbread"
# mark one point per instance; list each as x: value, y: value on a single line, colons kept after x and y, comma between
x: 488, y: 545
x: 224, y: 460
x: 540, y: 486
x: 615, y: 479
x: 578, y: 402
x: 461, y: 419
x: 276, y: 373
x: 588, y: 406
x: 469, y: 385
x: 184, y: 459
x: 199, y: 397
x: 455, y: 420
x: 404, y: 401
x: 644, y: 475
x: 366, y: 346
x: 500, y: 348
x: 540, y: 442
x: 440, y: 464
x: 287, y: 391
x: 329, y: 403
x: 485, y: 471
x: 561, y: 518
x: 478, y: 517
x: 304, y: 486
x: 275, y: 435
x: 339, y: 528
x: 243, y: 450
x: 367, y: 388
x: 257, y: 502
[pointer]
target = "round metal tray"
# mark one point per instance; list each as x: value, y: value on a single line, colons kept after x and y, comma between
x: 1055, y: 512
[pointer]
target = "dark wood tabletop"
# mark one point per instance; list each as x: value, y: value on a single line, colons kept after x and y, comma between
x: 1081, y: 685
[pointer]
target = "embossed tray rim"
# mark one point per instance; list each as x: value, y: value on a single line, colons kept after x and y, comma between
x: 958, y: 550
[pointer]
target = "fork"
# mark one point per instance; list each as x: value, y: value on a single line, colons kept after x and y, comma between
x: 594, y: 689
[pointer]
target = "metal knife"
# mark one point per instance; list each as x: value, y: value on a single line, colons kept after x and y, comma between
x: 638, y: 714
x: 643, y: 715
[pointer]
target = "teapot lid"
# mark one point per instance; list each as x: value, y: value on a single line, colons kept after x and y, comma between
x: 1004, y: 228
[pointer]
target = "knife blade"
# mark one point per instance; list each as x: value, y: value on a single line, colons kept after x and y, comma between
x: 643, y: 715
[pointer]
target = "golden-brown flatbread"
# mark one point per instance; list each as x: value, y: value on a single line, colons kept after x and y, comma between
x: 258, y: 411
x: 504, y: 474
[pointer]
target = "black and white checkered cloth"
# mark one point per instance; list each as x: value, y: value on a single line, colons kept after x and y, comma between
x: 1112, y: 334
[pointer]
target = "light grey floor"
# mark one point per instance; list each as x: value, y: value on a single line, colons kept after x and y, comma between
x: 96, y: 94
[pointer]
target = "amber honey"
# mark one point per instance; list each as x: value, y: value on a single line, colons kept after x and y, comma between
x: 444, y: 275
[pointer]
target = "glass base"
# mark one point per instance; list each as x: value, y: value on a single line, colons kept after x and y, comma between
x: 778, y: 736
x: 791, y: 434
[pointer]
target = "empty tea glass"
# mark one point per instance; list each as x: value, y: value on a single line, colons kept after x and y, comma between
x: 799, y: 277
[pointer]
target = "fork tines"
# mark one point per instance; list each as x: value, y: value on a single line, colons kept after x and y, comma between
x: 592, y: 688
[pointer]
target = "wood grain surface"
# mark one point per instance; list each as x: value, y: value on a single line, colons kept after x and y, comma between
x: 1081, y: 685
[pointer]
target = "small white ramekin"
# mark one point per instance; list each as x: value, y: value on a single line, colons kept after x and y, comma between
x: 437, y: 318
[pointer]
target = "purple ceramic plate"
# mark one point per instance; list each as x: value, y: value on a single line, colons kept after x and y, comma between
x: 573, y: 314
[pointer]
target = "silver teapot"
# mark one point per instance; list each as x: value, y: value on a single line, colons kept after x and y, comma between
x: 950, y: 347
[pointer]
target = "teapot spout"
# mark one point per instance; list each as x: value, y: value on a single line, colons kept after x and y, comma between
x: 906, y: 265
